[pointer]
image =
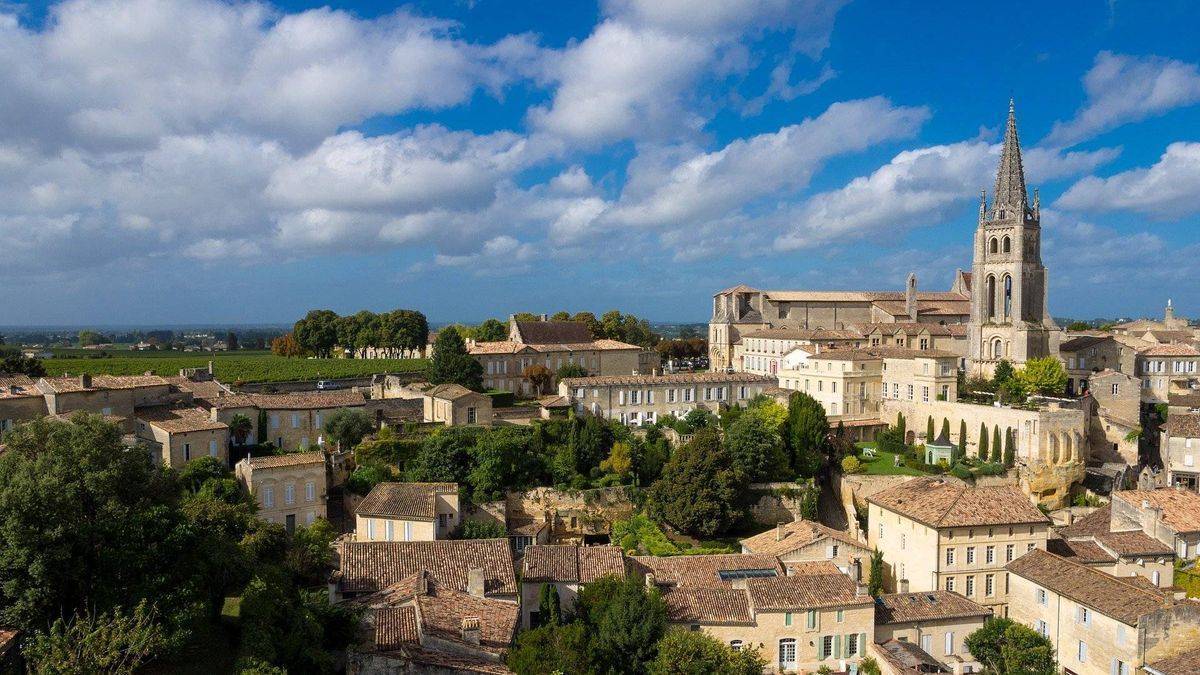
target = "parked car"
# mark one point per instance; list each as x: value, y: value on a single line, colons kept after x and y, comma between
x: 327, y: 385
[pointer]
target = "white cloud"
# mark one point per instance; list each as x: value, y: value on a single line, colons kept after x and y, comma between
x: 1123, y: 89
x: 918, y: 187
x: 1166, y: 189
x: 502, y: 255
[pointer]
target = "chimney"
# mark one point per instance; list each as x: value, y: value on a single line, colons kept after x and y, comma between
x: 543, y: 317
x: 210, y: 367
x: 903, y: 586
x: 650, y: 580
x: 470, y: 630
x: 1070, y: 517
x: 475, y: 582
x: 779, y: 531
x: 422, y: 584
x: 85, y: 381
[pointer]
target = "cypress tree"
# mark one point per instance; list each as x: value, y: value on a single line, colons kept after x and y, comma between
x: 1010, y: 451
x: 962, y: 436
x: 983, y: 442
x: 901, y: 426
x: 945, y: 428
x: 996, y: 448
x: 929, y: 429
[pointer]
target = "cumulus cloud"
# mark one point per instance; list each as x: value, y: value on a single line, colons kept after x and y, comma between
x: 1123, y: 89
x: 1166, y: 189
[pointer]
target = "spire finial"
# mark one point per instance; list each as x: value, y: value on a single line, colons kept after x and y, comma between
x: 1012, y: 108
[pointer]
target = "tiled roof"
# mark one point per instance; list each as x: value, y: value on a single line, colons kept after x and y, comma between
x: 1183, y: 425
x: 811, y: 567
x: 1096, y: 522
x: 1082, y: 342
x: 669, y: 378
x: 1186, y: 662
x: 549, y: 332
x: 309, y: 400
x: 368, y: 566
x: 450, y: 392
x: 17, y: 386
x: 405, y: 500
x: 287, y: 459
x: 1180, y: 508
x: 791, y: 536
x: 1190, y: 399
x: 1109, y: 595
x: 1085, y: 551
x: 1134, y: 543
x: 805, y: 591
x: 803, y: 334
x: 708, y: 605
x: 178, y: 420
x: 395, y: 627
x: 1171, y: 350
x: 867, y: 353
x: 65, y: 385
x: 508, y: 347
x: 948, y: 502
x: 569, y: 563
x: 927, y: 606
x: 703, y: 571
x: 203, y: 389
x: 909, y: 327
x: 908, y: 657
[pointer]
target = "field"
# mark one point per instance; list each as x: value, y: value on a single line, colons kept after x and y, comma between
x: 231, y: 368
x: 885, y: 464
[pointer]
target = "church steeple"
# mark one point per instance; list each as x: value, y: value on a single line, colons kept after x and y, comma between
x: 1010, y: 192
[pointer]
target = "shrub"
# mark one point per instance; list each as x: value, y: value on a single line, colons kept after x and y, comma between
x: 481, y: 529
x: 852, y: 464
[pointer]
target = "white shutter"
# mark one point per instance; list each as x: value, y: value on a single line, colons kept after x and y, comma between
x: 621, y: 397
x: 829, y: 552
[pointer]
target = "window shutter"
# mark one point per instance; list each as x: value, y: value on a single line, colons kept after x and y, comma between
x: 621, y: 397
x: 837, y: 645
x: 1115, y: 669
x: 821, y: 649
x: 829, y: 551
x: 862, y: 644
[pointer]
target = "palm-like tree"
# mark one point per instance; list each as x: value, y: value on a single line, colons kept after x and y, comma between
x: 240, y: 427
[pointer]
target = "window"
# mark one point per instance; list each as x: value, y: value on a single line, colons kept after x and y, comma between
x: 989, y: 555
x: 289, y: 493
x: 735, y: 645
x: 1081, y: 653
x: 841, y: 615
x: 811, y: 620
x: 989, y: 585
x: 949, y: 556
x: 787, y: 654
x: 212, y: 448
x: 787, y: 618
x: 950, y: 584
x: 274, y: 421
x: 268, y: 497
x: 948, y: 646
x: 852, y: 645
x: 471, y: 415
x: 1042, y: 628
x: 310, y: 491
x: 971, y: 586
x: 826, y: 646
x: 1119, y: 667
x: 1116, y: 389
x: 970, y: 555
x: 1041, y: 596
x: 925, y: 394
x: 389, y: 531
x: 1030, y: 547
x: 1008, y: 553
x: 1083, y: 616
x: 187, y: 451
x: 903, y: 541
x: 295, y: 420
x: 910, y: 392
x: 370, y: 529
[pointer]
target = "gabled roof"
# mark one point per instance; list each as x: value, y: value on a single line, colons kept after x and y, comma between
x: 1083, y: 342
x: 1186, y: 662
x: 450, y: 392
x: 805, y: 591
x: 405, y: 500
x: 788, y: 537
x: 177, y: 420
x: 1170, y: 350
x: 67, y: 385
x: 571, y: 564
x: 705, y: 571
x: 369, y: 566
x: 817, y: 334
x: 1112, y: 596
x: 552, y: 332
x: 1180, y: 508
x: 18, y: 386
x: 927, y: 606
x: 668, y: 378
x: 286, y: 459
x: 947, y: 502
x: 708, y: 606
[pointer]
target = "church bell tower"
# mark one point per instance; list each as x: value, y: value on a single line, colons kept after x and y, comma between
x: 1009, y: 315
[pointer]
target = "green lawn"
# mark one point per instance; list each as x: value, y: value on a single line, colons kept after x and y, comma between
x: 885, y: 464
x: 233, y: 367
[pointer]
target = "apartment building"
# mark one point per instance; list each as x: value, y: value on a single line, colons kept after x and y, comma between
x: 20, y: 401
x: 290, y: 489
x: 638, y: 399
x: 1180, y: 450
x: 939, y: 533
x: 1170, y: 515
x: 407, y: 512
x: 1118, y: 548
x: 455, y: 405
x: 762, y: 351
x: 1084, y: 355
x: 936, y: 621
x: 921, y: 336
x: 288, y: 421
x: 1099, y: 624
x: 177, y: 434
x: 1166, y: 367
x: 568, y: 568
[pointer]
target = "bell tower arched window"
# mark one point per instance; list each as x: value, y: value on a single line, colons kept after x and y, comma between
x: 991, y: 297
x: 1007, y: 244
x: 1007, y: 296
x: 994, y: 246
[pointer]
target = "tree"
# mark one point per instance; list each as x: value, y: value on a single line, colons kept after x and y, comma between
x: 293, y: 628
x: 929, y: 429
x: 89, y: 338
x: 1006, y: 647
x: 700, y: 492
x: 444, y: 457
x: 756, y: 449
x: 451, y: 364
x: 568, y: 370
x: 114, y: 642
x: 560, y: 316
x: 1002, y: 373
x: 945, y: 428
x: 231, y: 341
x: 684, y: 652
x: 482, y: 529
x: 13, y: 362
x: 996, y: 447
x: 869, y: 666
x: 539, y: 377
x: 625, y: 622
x: 501, y: 463
x: 902, y: 427
x: 1010, y: 452
x: 983, y: 442
x: 286, y: 345
x: 1044, y: 376
x: 549, y: 607
x: 699, y: 418
x: 491, y: 330
x: 589, y: 320
x: 620, y: 460
x: 808, y: 431
x: 962, y: 437
x: 1079, y: 325
x: 240, y: 427
x: 875, y: 578
x: 347, y: 427
x: 317, y: 332
x: 552, y: 650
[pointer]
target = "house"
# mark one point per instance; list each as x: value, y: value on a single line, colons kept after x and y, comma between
x: 1170, y: 515
x: 1162, y: 365
x: 937, y: 621
x: 290, y: 489
x: 20, y: 401
x: 289, y: 421
x: 806, y: 541
x: 634, y: 399
x: 430, y: 606
x: 455, y: 405
x: 939, y: 533
x: 178, y: 434
x: 568, y: 568
x: 1115, y: 547
x: 1099, y: 624
x: 762, y: 351
x: 1180, y: 450
x: 407, y: 512
x: 107, y: 395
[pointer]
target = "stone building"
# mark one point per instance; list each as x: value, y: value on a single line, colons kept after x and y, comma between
x: 1170, y: 515
x: 938, y: 533
x: 408, y: 512
x: 1114, y: 547
x: 1167, y: 368
x: 803, y: 541
x: 635, y: 399
x: 455, y: 405
x: 289, y: 489
x: 568, y: 568
x: 1084, y: 355
x: 1115, y: 425
x: 288, y: 421
x: 20, y: 401
x: 1140, y: 327
x: 1010, y: 318
x: 1099, y: 624
x: 938, y: 621
x: 178, y: 434
x: 1181, y: 450
x: 762, y: 351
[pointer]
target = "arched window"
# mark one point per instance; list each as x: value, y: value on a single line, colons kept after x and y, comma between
x: 991, y: 296
x: 997, y: 348
x: 1007, y: 296
x: 1007, y: 244
x: 787, y: 654
x: 995, y: 245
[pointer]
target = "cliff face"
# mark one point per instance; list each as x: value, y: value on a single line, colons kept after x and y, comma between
x: 1051, y: 484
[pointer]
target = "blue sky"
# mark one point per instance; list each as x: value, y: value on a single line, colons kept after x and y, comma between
x: 203, y: 161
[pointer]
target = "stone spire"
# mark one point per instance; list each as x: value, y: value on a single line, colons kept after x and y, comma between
x: 1010, y: 179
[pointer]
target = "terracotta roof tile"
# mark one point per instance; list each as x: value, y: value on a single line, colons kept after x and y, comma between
x: 1171, y: 350
x: 1135, y: 543
x: 1109, y: 595
x: 287, y: 459
x: 547, y: 332
x: 569, y: 563
x: 1183, y: 425
x: 368, y: 566
x: 178, y: 420
x: 927, y: 606
x: 948, y: 502
x: 396, y: 626
x: 1180, y: 508
x: 791, y: 536
x: 816, y: 334
x: 806, y: 591
x: 65, y: 385
x: 1184, y: 663
x: 1096, y: 522
x: 708, y: 605
x: 309, y: 400
x: 670, y: 378
x: 405, y: 500
x: 704, y: 571
x: 18, y: 386
x: 1085, y: 551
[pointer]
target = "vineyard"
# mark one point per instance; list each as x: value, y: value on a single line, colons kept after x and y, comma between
x: 231, y: 368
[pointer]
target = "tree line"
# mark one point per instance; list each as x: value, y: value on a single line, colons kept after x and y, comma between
x: 612, y: 325
x: 403, y: 330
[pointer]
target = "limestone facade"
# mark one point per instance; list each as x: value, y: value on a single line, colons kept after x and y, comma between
x: 637, y: 399
x: 289, y: 489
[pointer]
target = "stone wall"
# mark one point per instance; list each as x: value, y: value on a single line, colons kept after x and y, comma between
x: 851, y: 489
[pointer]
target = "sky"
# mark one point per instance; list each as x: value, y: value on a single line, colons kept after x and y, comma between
x: 192, y: 161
